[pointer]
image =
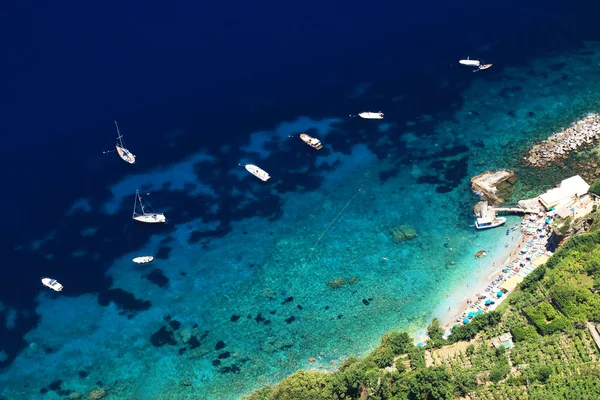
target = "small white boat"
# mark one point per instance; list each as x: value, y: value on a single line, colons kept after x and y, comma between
x: 257, y: 172
x: 483, y: 66
x: 486, y: 223
x: 143, y: 259
x: 147, y: 217
x: 371, y: 115
x: 125, y: 154
x: 52, y: 284
x: 469, y: 62
x: 311, y: 141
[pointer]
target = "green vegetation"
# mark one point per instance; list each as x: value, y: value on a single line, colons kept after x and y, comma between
x: 595, y: 188
x: 554, y: 355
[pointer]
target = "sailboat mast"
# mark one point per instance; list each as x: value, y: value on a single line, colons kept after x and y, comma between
x: 120, y: 137
x: 135, y: 202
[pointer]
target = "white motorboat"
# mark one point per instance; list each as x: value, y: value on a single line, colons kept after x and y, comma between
x: 371, y: 115
x: 469, y: 62
x: 311, y: 141
x: 147, y: 217
x: 125, y: 154
x: 486, y: 223
x: 257, y: 172
x: 143, y: 259
x: 52, y: 284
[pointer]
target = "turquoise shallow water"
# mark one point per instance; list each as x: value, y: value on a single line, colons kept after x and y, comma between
x: 257, y: 305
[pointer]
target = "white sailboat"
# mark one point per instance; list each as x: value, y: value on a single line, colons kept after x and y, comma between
x: 52, y: 284
x: 257, y: 172
x: 147, y: 217
x: 371, y: 115
x: 125, y: 154
x: 143, y: 259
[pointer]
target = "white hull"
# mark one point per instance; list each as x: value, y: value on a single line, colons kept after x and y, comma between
x: 125, y: 155
x: 496, y: 222
x: 150, y: 218
x: 371, y: 115
x: 143, y: 260
x: 311, y: 141
x: 52, y: 284
x: 471, y: 63
x: 258, y: 172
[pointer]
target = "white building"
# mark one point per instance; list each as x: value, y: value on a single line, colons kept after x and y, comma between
x: 568, y: 191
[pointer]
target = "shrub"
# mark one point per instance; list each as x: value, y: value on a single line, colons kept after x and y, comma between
x: 543, y: 373
x: 464, y: 382
x: 303, y: 385
x: 478, y: 323
x: 470, y: 350
x: 595, y: 188
x: 499, y: 371
x: 525, y: 334
x: 417, y: 358
x: 382, y: 356
x: 398, y: 342
x: 546, y: 318
x: 400, y: 366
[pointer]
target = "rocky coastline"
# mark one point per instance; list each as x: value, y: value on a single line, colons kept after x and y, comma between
x: 494, y: 187
x: 557, y: 148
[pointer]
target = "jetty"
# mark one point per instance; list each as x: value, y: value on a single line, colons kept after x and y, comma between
x: 559, y: 146
x: 529, y: 206
x: 559, y: 199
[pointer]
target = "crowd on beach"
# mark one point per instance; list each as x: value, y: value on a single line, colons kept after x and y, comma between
x: 561, y: 144
x: 534, y: 234
x: 531, y: 251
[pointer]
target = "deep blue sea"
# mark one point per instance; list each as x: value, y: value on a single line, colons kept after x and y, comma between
x: 238, y: 295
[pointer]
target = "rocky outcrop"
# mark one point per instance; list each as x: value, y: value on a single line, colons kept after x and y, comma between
x: 96, y: 394
x: 494, y: 187
x: 558, y: 146
x: 403, y: 232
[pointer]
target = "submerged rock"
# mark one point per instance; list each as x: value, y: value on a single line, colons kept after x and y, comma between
x: 162, y: 337
x: 401, y: 233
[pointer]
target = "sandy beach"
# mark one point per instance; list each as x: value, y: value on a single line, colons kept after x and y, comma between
x: 504, y: 271
x: 528, y: 243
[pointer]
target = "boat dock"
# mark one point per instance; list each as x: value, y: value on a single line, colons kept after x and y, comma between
x: 529, y: 206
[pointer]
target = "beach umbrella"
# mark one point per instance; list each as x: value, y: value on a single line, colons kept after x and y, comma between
x: 466, y: 321
x: 499, y: 294
x: 488, y: 302
x: 479, y: 312
x: 470, y: 314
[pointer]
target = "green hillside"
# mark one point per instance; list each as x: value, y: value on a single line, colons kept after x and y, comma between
x: 550, y: 318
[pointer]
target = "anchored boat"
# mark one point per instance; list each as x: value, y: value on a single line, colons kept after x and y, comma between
x: 484, y: 66
x: 311, y: 141
x: 52, y: 284
x: 486, y: 223
x: 371, y: 115
x: 471, y: 63
x: 125, y: 154
x: 143, y: 260
x: 147, y: 217
x: 257, y: 172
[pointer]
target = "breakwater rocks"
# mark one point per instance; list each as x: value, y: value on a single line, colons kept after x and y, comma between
x: 494, y: 187
x: 558, y: 146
